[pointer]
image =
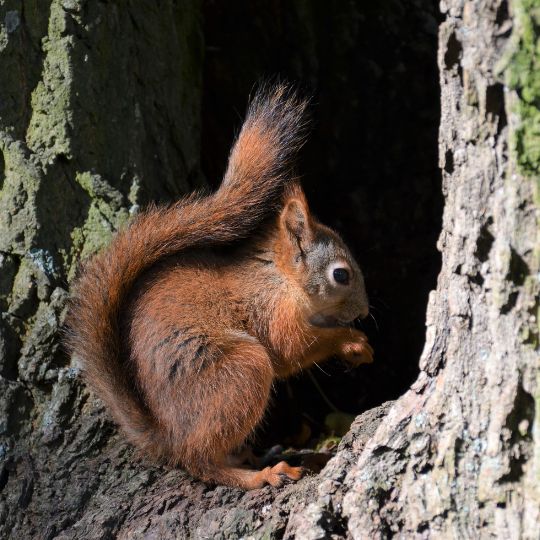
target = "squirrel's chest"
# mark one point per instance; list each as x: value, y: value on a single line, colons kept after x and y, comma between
x: 288, y: 337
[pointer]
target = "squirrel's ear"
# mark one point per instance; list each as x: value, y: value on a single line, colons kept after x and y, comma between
x: 296, y: 221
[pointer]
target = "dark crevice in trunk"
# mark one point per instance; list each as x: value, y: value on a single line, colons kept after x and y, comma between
x: 369, y: 168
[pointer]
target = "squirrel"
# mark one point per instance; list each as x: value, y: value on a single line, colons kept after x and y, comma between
x: 182, y: 324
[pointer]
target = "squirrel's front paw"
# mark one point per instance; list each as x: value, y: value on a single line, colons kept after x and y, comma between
x: 357, y: 352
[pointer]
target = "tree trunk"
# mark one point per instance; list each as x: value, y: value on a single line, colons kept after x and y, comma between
x: 457, y: 456
x: 100, y: 113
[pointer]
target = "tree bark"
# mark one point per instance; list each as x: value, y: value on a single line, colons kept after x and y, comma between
x: 456, y: 456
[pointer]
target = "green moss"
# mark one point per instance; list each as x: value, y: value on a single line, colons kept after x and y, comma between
x: 523, y: 76
x: 106, y: 214
x: 24, y: 290
x: 97, y: 188
x: 49, y: 129
x: 97, y: 230
x: 17, y: 198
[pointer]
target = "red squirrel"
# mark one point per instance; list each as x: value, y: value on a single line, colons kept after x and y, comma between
x: 184, y: 321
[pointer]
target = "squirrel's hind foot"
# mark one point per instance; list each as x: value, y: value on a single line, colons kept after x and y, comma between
x: 276, y: 476
x: 280, y: 473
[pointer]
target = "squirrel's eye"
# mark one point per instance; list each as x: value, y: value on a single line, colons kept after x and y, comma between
x: 341, y: 275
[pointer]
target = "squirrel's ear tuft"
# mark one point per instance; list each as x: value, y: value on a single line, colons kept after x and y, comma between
x: 296, y: 221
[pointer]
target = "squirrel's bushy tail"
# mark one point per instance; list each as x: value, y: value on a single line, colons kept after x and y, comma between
x: 259, y: 168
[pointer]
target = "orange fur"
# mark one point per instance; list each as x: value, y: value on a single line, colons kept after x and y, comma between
x: 182, y: 338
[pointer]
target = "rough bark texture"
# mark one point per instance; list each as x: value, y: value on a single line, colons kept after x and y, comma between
x: 457, y: 456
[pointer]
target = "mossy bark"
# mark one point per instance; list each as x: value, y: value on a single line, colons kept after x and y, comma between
x: 94, y: 122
